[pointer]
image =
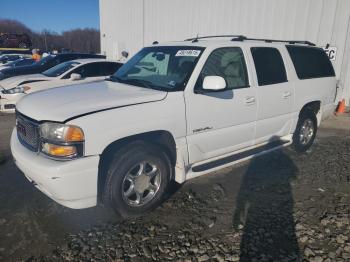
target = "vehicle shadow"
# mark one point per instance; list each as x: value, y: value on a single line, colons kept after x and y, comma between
x: 264, y: 210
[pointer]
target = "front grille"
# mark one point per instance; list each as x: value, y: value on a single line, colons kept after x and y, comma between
x: 28, y: 132
x: 9, y: 106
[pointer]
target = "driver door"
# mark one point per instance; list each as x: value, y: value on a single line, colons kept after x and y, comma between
x: 221, y: 122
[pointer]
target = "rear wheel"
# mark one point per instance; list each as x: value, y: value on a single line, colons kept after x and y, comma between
x: 137, y: 179
x: 305, y: 131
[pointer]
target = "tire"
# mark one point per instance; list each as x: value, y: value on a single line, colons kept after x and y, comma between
x: 303, y: 138
x: 125, y: 167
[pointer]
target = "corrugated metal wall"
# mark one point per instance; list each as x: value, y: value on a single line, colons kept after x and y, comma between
x: 131, y: 24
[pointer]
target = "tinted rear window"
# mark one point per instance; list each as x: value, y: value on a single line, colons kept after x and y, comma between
x: 310, y: 62
x: 269, y: 66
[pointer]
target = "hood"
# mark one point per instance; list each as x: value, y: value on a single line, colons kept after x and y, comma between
x: 62, y: 103
x: 11, y: 82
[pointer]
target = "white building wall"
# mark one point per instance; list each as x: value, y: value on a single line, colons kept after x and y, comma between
x: 131, y: 24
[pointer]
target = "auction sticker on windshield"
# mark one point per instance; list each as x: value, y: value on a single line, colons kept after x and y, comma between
x: 188, y: 53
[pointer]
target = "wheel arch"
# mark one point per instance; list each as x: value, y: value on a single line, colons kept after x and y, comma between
x: 161, y: 138
x: 315, y: 107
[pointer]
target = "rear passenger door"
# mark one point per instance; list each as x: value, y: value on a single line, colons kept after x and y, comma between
x: 274, y: 94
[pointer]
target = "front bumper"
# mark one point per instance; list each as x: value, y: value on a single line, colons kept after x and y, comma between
x: 70, y: 183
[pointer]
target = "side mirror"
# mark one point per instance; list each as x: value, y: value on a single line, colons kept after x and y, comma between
x: 214, y: 83
x: 75, y: 77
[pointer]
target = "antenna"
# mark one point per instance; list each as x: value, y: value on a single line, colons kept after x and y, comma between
x: 195, y: 40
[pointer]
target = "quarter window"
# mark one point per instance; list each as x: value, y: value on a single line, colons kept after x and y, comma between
x: 228, y: 63
x: 95, y: 69
x: 310, y: 62
x: 269, y: 66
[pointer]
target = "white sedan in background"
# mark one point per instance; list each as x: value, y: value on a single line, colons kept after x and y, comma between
x: 71, y: 72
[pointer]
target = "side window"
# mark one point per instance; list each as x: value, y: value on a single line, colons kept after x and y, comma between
x: 269, y: 66
x: 88, y: 70
x: 310, y: 62
x: 107, y: 68
x: 228, y: 63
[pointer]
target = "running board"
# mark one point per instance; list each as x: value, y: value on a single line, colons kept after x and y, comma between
x: 240, y: 156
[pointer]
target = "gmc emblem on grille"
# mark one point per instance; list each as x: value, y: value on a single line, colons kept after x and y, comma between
x: 21, y: 129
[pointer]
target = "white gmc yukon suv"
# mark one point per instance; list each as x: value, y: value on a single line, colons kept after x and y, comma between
x: 173, y: 112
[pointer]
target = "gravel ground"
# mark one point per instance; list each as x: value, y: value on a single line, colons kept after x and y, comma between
x: 277, y: 207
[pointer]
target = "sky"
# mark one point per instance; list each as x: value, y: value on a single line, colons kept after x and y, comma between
x: 54, y: 15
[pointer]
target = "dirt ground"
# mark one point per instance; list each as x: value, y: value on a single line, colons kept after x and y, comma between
x: 277, y: 207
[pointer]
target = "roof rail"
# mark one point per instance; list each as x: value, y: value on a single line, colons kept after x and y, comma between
x: 280, y: 41
x: 243, y: 38
x: 195, y: 39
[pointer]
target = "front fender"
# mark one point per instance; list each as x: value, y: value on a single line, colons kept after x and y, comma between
x: 106, y: 127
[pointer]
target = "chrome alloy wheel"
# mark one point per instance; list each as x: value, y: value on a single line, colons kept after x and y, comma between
x: 141, y: 184
x: 306, y: 132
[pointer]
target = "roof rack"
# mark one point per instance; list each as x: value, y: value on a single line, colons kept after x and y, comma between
x: 277, y: 41
x: 195, y: 39
x: 243, y: 38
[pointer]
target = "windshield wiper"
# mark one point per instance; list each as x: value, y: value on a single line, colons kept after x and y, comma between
x: 133, y: 81
x: 139, y: 82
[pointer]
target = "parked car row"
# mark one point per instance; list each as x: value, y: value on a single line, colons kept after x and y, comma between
x: 24, y: 76
x: 7, y: 56
x: 67, y: 73
x: 44, y: 64
x: 20, y: 61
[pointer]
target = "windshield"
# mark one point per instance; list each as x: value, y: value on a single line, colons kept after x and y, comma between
x: 60, y: 69
x: 165, y: 68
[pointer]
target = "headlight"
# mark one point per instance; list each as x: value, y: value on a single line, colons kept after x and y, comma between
x: 16, y: 90
x: 61, y: 141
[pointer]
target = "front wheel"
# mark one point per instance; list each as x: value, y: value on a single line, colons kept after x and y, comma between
x: 305, y: 131
x: 137, y: 179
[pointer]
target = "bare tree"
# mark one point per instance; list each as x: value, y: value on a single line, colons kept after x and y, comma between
x: 85, y: 40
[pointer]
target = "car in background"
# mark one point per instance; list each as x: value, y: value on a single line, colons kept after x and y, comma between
x: 15, y: 41
x: 15, y: 51
x: 67, y: 73
x: 44, y: 64
x: 19, y: 62
x: 5, y: 59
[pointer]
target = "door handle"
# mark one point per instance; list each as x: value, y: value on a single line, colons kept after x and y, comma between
x: 249, y: 100
x: 286, y: 94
